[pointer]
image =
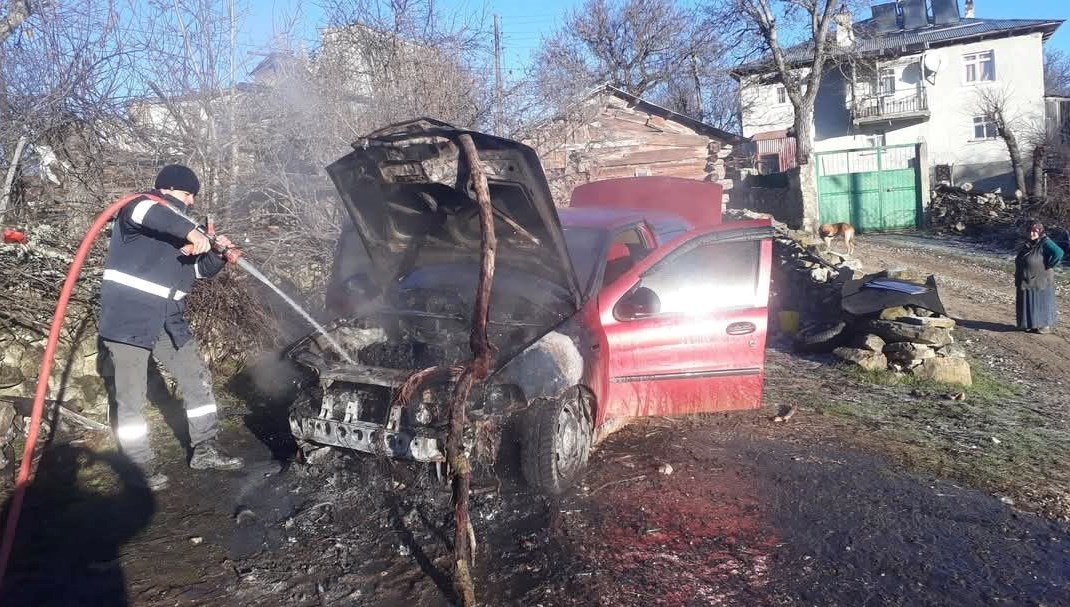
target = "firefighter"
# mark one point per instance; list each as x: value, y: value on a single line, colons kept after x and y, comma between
x: 154, y: 256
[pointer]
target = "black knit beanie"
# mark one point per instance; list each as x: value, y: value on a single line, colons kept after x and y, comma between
x: 178, y: 177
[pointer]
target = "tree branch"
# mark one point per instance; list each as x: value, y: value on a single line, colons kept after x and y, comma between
x: 16, y: 15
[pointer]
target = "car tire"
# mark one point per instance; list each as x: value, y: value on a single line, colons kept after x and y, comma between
x: 556, y: 442
x: 822, y: 338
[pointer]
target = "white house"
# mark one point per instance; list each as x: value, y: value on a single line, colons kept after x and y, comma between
x: 903, y: 103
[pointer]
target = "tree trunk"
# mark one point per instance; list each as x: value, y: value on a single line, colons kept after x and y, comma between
x: 1040, y: 157
x: 804, y: 146
x: 1016, y: 158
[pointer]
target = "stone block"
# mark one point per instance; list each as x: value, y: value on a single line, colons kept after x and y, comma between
x: 868, y: 341
x: 945, y: 370
x: 894, y: 313
x: 894, y: 331
x: 941, y: 322
x: 952, y: 351
x: 867, y: 359
x: 907, y: 353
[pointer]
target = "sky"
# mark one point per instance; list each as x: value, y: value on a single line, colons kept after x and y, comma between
x: 523, y: 23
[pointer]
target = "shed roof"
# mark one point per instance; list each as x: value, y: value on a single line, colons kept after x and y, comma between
x: 652, y: 108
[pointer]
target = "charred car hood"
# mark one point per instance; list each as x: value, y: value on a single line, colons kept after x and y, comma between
x: 407, y: 189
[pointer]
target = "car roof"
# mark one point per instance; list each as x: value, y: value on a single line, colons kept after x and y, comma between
x: 611, y: 218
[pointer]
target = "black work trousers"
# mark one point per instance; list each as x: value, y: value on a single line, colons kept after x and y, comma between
x: 131, y: 387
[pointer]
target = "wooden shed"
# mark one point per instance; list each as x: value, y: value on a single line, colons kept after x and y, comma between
x: 611, y: 133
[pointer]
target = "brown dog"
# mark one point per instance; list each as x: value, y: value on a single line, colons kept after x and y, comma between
x: 828, y: 231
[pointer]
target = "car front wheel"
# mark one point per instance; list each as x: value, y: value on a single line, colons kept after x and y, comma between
x: 556, y: 442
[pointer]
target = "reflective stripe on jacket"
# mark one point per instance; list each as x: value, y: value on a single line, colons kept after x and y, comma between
x: 146, y: 277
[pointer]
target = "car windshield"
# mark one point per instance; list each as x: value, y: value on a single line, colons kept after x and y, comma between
x: 585, y: 247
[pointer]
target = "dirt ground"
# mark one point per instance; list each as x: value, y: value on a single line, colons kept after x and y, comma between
x: 874, y: 493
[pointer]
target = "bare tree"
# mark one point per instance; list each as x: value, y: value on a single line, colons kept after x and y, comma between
x: 1056, y: 72
x: 705, y: 92
x: 644, y: 47
x: 62, y: 80
x: 17, y: 12
x: 793, y: 37
x: 1015, y: 128
x: 401, y: 59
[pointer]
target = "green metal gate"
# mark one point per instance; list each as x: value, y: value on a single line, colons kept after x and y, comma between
x: 872, y: 188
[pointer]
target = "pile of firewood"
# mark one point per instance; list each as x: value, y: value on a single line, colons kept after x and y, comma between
x: 962, y: 210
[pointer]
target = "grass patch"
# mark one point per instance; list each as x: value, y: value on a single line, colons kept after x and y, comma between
x: 998, y: 438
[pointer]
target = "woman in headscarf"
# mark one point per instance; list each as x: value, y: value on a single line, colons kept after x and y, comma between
x: 1034, y: 278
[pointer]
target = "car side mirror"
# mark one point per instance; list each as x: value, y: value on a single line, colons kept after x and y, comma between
x: 638, y: 303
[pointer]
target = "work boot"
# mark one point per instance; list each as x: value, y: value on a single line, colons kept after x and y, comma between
x: 207, y: 456
x: 150, y: 479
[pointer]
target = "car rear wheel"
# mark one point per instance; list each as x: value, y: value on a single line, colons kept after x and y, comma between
x: 556, y: 442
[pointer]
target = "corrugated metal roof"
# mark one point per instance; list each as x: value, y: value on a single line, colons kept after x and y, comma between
x: 910, y: 41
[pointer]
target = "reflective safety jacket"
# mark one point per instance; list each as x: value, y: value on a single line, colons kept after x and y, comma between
x: 146, y: 277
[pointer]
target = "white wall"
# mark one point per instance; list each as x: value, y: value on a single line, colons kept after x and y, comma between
x: 953, y: 103
x: 762, y: 111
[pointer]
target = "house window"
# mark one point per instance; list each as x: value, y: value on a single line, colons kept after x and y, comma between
x: 874, y: 141
x: 980, y: 67
x: 781, y: 95
x: 886, y: 81
x: 984, y: 128
x: 768, y: 164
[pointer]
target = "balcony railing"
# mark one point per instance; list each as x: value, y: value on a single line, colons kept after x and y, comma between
x: 890, y: 107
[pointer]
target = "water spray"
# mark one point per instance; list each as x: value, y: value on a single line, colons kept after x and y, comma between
x: 234, y: 255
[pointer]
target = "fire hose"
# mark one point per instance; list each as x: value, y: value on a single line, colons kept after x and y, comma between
x: 22, y: 480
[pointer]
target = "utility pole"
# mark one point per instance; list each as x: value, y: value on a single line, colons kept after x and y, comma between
x: 497, y: 76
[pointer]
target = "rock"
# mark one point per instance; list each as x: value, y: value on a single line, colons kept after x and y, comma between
x: 867, y: 359
x: 894, y: 313
x: 851, y: 264
x: 922, y: 312
x: 945, y: 370
x: 10, y: 376
x: 895, y: 331
x: 941, y: 322
x: 820, y: 274
x: 952, y: 351
x: 868, y: 341
x: 665, y: 469
x: 907, y: 353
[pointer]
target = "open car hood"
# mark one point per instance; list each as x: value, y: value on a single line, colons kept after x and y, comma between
x: 406, y: 188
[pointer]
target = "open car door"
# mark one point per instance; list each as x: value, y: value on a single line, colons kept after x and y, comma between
x: 685, y: 329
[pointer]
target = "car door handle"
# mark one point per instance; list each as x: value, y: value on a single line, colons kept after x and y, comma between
x: 741, y: 328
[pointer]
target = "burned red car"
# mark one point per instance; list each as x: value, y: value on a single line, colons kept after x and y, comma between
x: 635, y: 301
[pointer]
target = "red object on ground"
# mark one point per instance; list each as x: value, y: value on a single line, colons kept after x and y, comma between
x: 23, y: 478
x: 14, y: 236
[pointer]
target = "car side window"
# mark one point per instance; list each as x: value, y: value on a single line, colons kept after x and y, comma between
x: 705, y: 279
x: 626, y: 249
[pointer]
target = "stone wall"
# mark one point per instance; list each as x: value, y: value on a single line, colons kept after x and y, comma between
x: 765, y: 194
x: 75, y: 378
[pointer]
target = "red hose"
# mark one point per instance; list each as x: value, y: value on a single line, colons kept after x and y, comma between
x: 23, y: 479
